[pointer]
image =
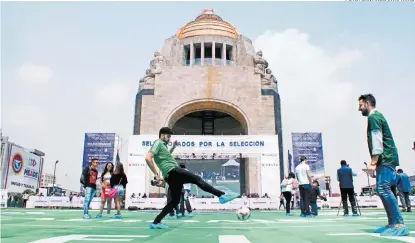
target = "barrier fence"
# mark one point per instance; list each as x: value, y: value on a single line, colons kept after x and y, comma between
x: 198, y: 203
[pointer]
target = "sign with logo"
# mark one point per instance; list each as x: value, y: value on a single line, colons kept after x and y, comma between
x: 23, y: 171
x: 99, y: 146
x: 309, y: 145
x: 192, y: 147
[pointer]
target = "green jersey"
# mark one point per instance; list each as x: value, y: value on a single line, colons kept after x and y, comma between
x: 163, y: 158
x: 387, y: 151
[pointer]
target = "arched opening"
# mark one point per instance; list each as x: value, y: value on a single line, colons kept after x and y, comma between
x: 208, y: 122
x: 209, y: 117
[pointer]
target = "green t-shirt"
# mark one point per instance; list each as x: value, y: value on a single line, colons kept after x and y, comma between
x: 389, y: 157
x: 163, y: 158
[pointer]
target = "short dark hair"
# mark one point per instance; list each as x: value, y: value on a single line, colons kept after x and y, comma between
x: 343, y: 162
x: 302, y: 158
x: 291, y: 175
x: 182, y: 165
x: 93, y: 159
x: 368, y: 98
x: 165, y: 130
x: 400, y: 171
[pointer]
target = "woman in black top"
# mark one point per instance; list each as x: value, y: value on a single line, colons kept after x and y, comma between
x: 119, y: 182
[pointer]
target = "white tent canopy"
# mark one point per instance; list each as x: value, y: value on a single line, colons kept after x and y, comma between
x: 231, y: 162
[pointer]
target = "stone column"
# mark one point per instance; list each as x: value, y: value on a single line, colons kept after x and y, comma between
x: 224, y: 54
x: 233, y: 59
x: 202, y: 53
x: 213, y: 53
x: 182, y: 56
x: 192, y: 53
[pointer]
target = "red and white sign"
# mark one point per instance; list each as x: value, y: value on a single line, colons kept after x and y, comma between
x: 24, y: 170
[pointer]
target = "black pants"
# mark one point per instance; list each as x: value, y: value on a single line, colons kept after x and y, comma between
x: 176, y: 178
x: 305, y: 192
x: 348, y: 192
x: 184, y: 201
x: 288, y: 196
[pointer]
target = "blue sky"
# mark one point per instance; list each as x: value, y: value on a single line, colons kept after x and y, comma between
x: 82, y: 61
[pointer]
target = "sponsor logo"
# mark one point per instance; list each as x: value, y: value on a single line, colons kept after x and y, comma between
x: 17, y: 163
x: 32, y: 162
x: 31, y: 174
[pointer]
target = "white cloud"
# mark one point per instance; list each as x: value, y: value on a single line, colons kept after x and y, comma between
x: 31, y: 73
x: 310, y: 78
x: 27, y: 117
x: 115, y: 93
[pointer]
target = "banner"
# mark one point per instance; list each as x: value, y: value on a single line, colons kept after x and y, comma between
x: 99, y: 146
x: 23, y: 171
x: 309, y: 145
x: 246, y: 144
x: 204, y: 147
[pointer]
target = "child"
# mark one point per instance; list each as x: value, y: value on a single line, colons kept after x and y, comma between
x: 315, y: 192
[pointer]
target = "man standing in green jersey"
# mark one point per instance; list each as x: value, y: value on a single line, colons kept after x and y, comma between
x: 175, y: 176
x: 384, y: 160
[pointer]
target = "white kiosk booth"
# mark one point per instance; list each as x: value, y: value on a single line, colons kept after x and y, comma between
x: 259, y: 151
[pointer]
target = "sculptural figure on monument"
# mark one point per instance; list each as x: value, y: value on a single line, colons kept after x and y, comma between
x: 148, y: 78
x: 260, y: 62
x: 156, y: 63
x: 258, y: 70
x: 267, y: 78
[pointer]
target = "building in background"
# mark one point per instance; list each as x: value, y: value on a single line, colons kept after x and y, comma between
x: 46, y: 180
x: 208, y: 79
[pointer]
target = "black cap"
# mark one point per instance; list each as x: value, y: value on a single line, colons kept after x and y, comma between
x: 165, y: 130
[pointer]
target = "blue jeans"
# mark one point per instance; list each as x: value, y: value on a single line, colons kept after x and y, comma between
x: 314, y: 208
x: 385, y: 178
x: 89, y: 195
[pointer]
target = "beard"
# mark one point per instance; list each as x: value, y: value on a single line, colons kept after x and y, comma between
x: 365, y: 112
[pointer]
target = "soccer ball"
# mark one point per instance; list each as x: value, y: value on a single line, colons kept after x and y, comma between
x: 243, y: 213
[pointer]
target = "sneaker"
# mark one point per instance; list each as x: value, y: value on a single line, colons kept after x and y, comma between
x: 158, y: 226
x: 99, y: 216
x: 228, y: 197
x: 117, y: 216
x: 189, y: 215
x: 302, y: 215
x: 87, y: 216
x: 346, y: 215
x: 409, y: 210
x: 396, y: 231
x: 289, y: 214
x: 108, y: 215
x: 355, y: 215
x: 381, y: 229
x: 403, y: 210
x: 179, y: 215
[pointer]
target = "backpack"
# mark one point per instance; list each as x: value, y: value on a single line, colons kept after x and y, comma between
x: 82, y: 179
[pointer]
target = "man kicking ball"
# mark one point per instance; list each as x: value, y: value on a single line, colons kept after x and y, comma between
x: 384, y: 159
x: 175, y: 176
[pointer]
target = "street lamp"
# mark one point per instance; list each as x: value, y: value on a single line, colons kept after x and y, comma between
x: 54, y: 176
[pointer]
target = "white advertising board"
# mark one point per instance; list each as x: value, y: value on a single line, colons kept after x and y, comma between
x: 24, y: 170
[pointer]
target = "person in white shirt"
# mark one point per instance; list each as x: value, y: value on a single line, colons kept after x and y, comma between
x: 287, y: 191
x: 304, y: 181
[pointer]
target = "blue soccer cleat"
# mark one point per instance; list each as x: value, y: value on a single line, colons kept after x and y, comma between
x: 228, y: 197
x: 99, y: 216
x: 381, y: 229
x: 158, y: 226
x: 356, y: 215
x: 402, y: 231
x: 117, y: 216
